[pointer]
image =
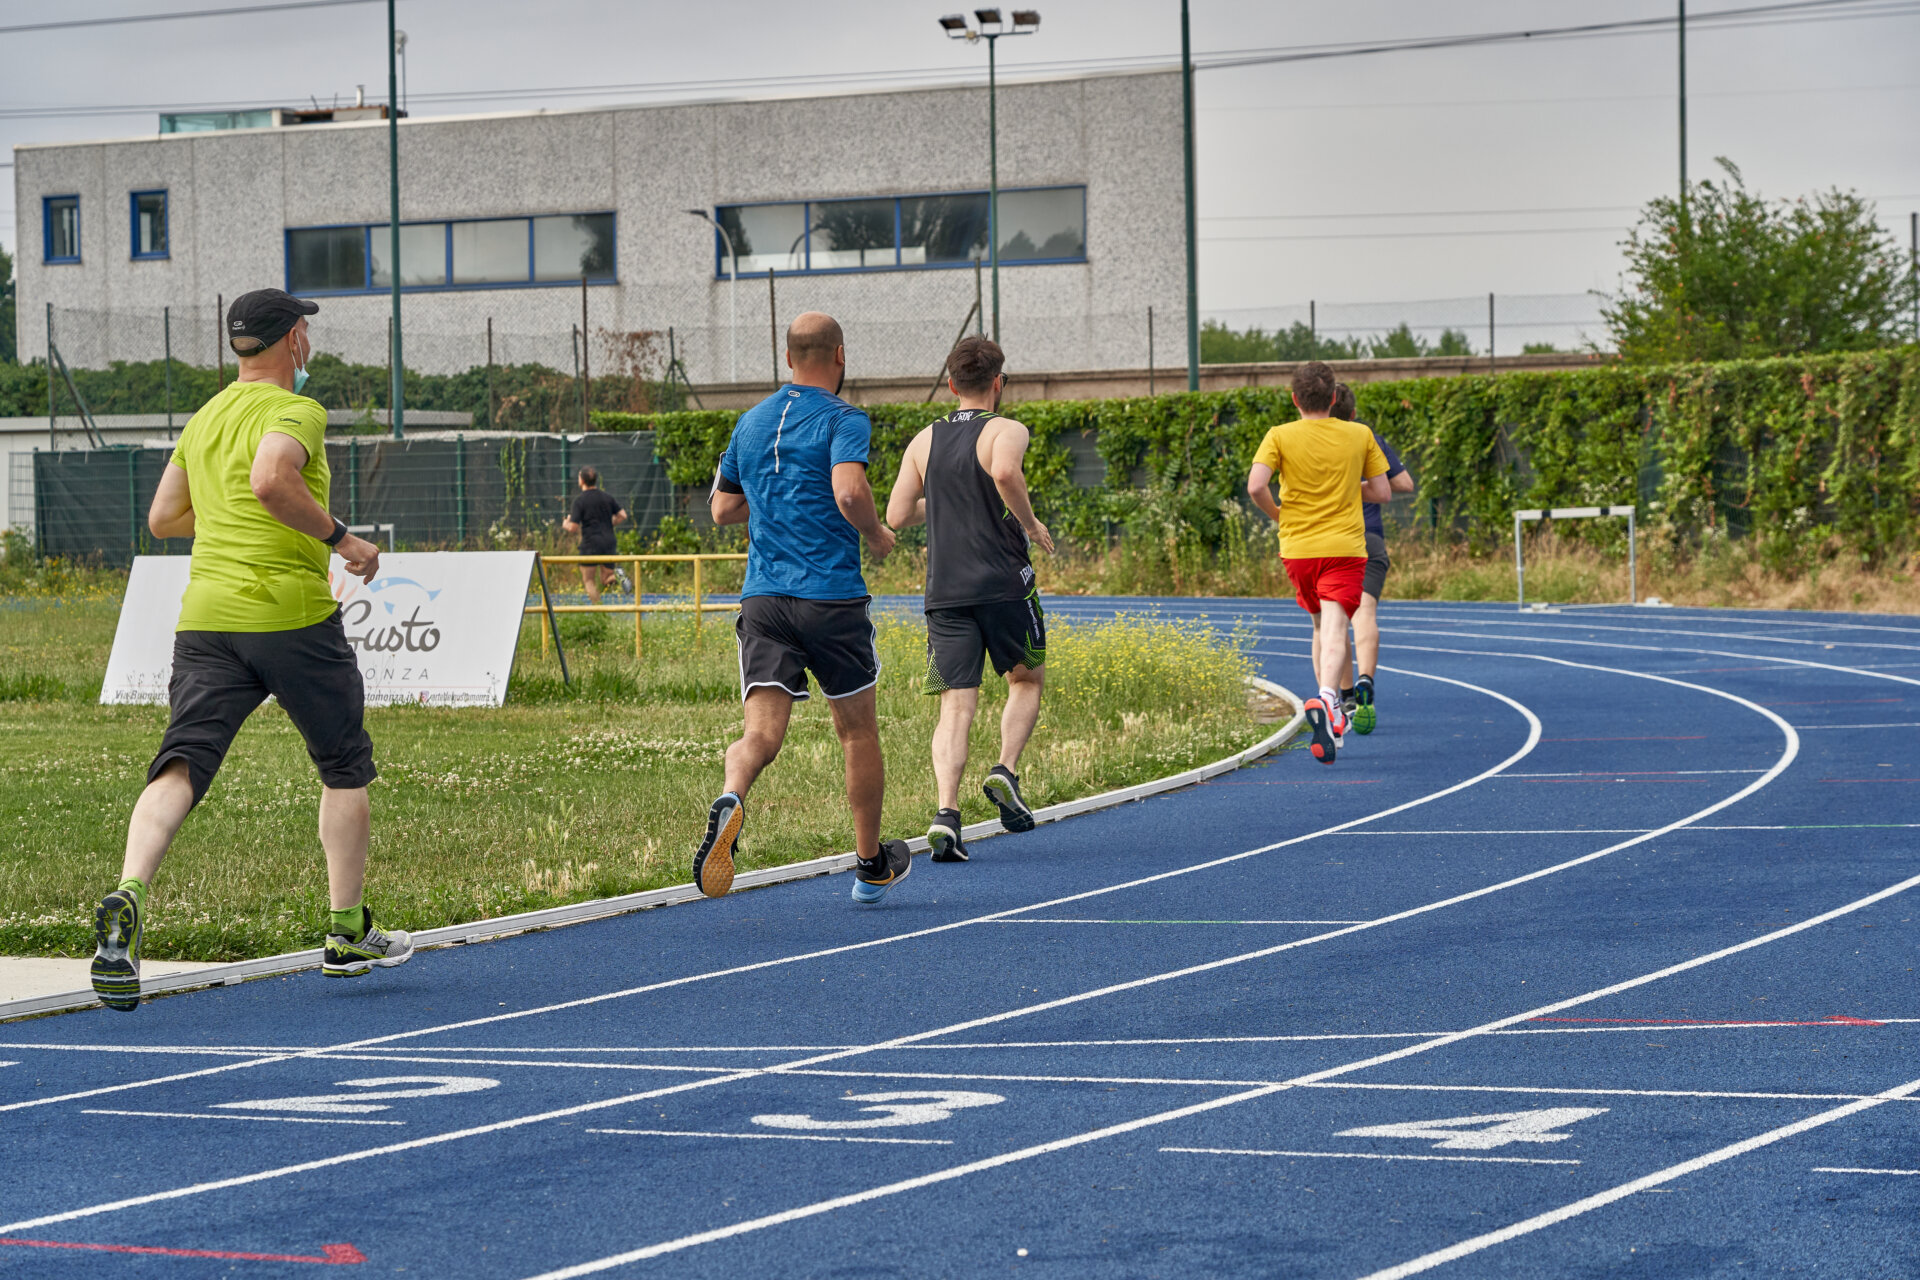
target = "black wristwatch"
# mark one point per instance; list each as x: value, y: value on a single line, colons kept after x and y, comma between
x: 339, y: 532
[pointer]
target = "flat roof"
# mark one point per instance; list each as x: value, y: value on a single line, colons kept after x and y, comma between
x: 410, y: 121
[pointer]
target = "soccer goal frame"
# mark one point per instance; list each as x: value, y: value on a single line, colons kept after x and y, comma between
x: 1525, y: 516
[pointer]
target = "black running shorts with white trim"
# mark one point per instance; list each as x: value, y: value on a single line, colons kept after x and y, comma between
x: 1377, y: 565
x: 221, y: 677
x: 1012, y: 632
x: 784, y: 637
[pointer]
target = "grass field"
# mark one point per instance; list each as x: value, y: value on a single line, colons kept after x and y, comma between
x: 563, y: 795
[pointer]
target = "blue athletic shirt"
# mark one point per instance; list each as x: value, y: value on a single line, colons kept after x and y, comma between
x: 781, y: 456
x: 1371, y: 510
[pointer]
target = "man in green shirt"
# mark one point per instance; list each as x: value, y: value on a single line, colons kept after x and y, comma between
x: 248, y: 483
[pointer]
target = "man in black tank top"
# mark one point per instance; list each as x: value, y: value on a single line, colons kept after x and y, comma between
x: 963, y: 475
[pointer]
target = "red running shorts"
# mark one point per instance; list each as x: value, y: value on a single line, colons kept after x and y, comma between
x: 1321, y: 578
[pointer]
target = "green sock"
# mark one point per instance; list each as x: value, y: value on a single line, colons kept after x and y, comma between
x: 138, y: 888
x: 349, y: 922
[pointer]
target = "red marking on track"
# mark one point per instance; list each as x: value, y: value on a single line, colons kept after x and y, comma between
x: 1835, y: 1019
x: 333, y: 1255
x: 1689, y: 737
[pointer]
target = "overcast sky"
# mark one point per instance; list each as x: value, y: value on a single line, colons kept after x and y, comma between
x: 1346, y: 179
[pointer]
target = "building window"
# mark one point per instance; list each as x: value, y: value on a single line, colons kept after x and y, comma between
x: 149, y: 224
x: 60, y: 219
x: 890, y: 233
x: 486, y: 253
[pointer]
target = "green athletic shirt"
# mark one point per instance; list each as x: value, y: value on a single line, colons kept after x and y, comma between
x: 250, y: 572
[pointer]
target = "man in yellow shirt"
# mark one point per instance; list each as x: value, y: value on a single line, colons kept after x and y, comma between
x: 1326, y: 468
x: 248, y: 483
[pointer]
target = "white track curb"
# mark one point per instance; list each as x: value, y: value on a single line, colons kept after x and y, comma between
x: 600, y: 908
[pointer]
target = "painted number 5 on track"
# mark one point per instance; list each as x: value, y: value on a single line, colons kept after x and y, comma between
x: 891, y: 1110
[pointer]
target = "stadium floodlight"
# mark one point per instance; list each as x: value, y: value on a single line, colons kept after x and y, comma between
x: 733, y: 288
x: 1025, y: 23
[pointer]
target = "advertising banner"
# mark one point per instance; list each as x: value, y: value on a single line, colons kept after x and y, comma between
x: 437, y: 628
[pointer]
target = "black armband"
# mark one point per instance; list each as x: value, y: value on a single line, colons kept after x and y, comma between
x: 339, y: 532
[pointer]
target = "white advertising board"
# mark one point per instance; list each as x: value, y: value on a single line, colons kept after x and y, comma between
x: 436, y: 628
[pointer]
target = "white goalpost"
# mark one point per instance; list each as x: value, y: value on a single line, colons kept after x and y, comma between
x: 1523, y: 516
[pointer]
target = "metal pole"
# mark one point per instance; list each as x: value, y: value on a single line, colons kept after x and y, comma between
x: 1913, y: 268
x: 1633, y: 578
x: 219, y: 341
x: 586, y: 364
x: 490, y: 400
x: 166, y: 333
x: 993, y: 177
x: 1519, y: 567
x: 1193, y: 239
x: 1149, y: 350
x: 1491, y: 367
x: 460, y: 487
x: 397, y: 405
x: 773, y: 329
x: 1683, y: 103
x: 53, y: 440
x: 1313, y: 331
x: 979, y: 298
x: 353, y: 479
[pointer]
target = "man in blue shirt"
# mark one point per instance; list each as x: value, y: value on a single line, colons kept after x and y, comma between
x: 795, y: 471
x: 1365, y: 645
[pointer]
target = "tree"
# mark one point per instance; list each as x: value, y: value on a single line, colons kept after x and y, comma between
x: 1727, y: 274
x: 9, y: 333
x: 1403, y: 343
x: 1221, y: 345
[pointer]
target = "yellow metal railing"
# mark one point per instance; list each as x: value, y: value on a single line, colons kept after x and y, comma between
x: 699, y: 608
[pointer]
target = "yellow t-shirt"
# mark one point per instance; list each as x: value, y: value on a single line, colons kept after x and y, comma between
x: 250, y: 572
x: 1320, y: 463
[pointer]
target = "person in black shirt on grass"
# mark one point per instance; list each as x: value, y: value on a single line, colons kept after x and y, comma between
x: 595, y: 513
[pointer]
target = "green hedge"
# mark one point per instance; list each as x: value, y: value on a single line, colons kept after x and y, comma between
x: 1798, y: 451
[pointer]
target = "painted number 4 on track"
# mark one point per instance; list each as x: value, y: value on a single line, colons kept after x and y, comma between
x: 1483, y: 1133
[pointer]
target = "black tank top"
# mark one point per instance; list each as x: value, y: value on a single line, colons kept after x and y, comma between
x: 976, y: 550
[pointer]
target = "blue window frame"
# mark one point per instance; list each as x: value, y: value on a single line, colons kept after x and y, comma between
x: 148, y: 212
x: 535, y: 251
x: 60, y: 229
x: 900, y: 233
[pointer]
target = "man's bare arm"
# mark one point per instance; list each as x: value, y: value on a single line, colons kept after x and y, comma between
x: 854, y: 496
x: 1376, y: 489
x: 1402, y: 481
x: 907, y: 504
x: 276, y: 481
x: 1007, y: 466
x: 171, y: 515
x: 1260, y: 489
x: 728, y: 508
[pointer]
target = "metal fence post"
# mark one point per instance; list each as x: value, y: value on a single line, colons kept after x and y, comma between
x: 1633, y: 576
x: 220, y: 341
x: 133, y: 504
x: 699, y: 598
x: 166, y: 335
x: 490, y: 399
x: 1149, y: 350
x: 586, y: 364
x: 460, y: 487
x: 773, y: 328
x: 1519, y: 566
x: 53, y: 440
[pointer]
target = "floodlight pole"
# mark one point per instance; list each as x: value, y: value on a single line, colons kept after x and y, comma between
x: 396, y: 409
x: 1193, y: 265
x: 733, y: 289
x: 993, y: 178
x: 1683, y: 103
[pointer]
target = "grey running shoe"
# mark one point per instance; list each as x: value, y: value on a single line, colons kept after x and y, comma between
x: 375, y: 948
x: 116, y: 951
x: 943, y: 837
x: 870, y: 884
x: 713, y: 861
x: 1003, y: 788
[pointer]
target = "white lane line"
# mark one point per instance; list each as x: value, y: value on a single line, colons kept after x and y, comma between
x: 1897, y: 1173
x: 1540, y: 831
x: 1532, y: 740
x: 1071, y: 921
x: 1628, y: 773
x: 204, y: 1115
x: 1363, y: 1155
x: 1739, y: 1095
x: 779, y: 1137
x: 960, y: 1171
x: 670, y: 1067
x: 1903, y: 724
x: 240, y: 1050
x: 1712, y: 635
x: 1703, y: 826
x: 1526, y: 1226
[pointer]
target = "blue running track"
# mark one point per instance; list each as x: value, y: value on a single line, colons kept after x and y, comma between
x: 1598, y: 958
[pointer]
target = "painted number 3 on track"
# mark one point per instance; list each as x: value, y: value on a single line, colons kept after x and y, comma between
x: 889, y: 1110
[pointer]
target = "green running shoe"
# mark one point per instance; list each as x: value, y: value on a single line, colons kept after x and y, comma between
x: 116, y: 951
x: 1363, y: 713
x: 375, y: 948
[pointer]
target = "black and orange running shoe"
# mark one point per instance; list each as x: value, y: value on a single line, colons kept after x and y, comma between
x: 713, y: 864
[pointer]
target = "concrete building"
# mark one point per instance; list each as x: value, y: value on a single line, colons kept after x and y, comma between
x: 869, y: 206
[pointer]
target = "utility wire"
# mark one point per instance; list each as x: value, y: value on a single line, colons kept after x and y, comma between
x: 68, y: 23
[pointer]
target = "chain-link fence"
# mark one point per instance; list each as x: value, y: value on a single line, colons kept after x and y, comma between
x: 464, y: 490
x: 1506, y: 323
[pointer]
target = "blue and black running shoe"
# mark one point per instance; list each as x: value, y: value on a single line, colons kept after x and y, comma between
x: 1003, y: 788
x: 871, y: 880
x: 943, y: 837
x: 116, y: 951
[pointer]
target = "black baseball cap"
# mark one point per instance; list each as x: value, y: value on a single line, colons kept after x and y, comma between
x: 266, y: 315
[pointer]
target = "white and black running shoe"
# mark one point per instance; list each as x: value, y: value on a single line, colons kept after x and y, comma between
x: 1003, y: 788
x: 375, y: 948
x: 713, y: 863
x: 943, y: 837
x: 116, y: 951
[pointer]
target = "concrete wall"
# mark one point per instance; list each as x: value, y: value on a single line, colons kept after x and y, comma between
x: 233, y: 194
